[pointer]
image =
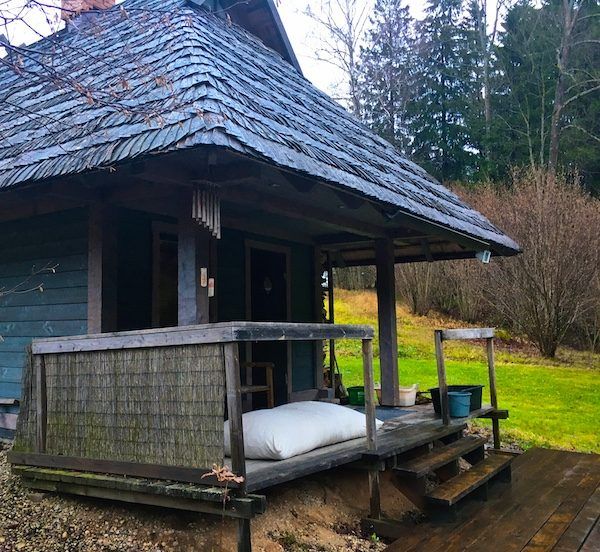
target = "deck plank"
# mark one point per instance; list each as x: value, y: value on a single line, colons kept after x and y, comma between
x: 549, y: 488
x: 548, y: 535
x: 514, y: 531
x: 581, y: 527
x: 592, y: 542
x: 262, y: 474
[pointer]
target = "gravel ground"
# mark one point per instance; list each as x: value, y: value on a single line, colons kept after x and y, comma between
x: 310, y: 515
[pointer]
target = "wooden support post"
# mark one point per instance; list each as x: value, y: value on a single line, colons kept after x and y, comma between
x: 236, y: 432
x: 374, y: 488
x: 318, y: 315
x: 193, y: 259
x: 234, y: 409
x: 367, y: 353
x: 388, y: 326
x: 102, y: 269
x: 441, y: 369
x: 331, y: 312
x: 493, y: 392
x: 41, y: 402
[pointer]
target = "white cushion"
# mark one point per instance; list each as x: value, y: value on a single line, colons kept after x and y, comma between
x: 295, y: 428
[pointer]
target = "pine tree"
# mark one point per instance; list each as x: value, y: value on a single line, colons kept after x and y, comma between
x: 441, y: 138
x: 387, y: 71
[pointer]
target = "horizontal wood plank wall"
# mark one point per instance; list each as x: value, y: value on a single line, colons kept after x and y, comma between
x: 57, y: 239
x: 162, y: 406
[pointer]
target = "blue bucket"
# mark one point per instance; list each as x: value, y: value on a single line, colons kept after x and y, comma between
x: 459, y: 404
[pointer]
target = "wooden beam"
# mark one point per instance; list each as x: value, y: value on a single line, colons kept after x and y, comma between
x: 236, y: 435
x: 193, y: 248
x: 223, y: 332
x: 468, y: 334
x: 234, y: 411
x: 300, y: 211
x: 493, y: 392
x: 442, y: 383
x: 331, y: 313
x: 369, y: 383
x: 102, y: 269
x: 234, y: 508
x: 388, y: 324
x: 134, y: 469
x: 318, y: 313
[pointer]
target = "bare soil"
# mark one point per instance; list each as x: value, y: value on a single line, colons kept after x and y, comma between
x: 315, y: 514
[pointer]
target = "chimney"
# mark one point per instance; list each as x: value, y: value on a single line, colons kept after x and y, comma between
x: 72, y: 8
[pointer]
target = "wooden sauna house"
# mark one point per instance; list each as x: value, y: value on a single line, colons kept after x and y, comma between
x: 178, y: 189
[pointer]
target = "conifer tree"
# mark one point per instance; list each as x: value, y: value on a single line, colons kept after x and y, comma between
x: 442, y: 141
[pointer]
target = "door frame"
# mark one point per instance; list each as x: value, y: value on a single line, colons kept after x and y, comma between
x: 287, y: 251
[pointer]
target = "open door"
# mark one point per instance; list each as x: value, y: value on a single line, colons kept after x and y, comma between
x: 268, y: 300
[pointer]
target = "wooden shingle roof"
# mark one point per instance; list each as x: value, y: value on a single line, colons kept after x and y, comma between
x: 162, y: 76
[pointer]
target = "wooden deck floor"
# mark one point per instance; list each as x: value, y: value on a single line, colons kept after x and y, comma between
x: 553, y: 504
x: 418, y: 427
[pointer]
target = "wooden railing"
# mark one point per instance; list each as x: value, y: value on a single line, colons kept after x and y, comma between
x: 71, y: 378
x: 74, y: 404
x: 468, y: 334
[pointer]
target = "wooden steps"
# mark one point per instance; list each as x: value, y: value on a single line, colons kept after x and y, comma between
x: 449, y: 493
x: 440, y: 457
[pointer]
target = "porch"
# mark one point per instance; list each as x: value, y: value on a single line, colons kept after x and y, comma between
x: 150, y: 405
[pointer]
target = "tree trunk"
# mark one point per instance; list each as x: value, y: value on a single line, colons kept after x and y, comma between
x: 569, y: 14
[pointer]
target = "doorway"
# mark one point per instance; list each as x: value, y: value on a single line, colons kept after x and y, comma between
x: 164, y: 275
x: 268, y: 294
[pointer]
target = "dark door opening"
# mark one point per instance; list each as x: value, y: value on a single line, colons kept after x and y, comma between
x: 268, y: 302
x: 164, y: 276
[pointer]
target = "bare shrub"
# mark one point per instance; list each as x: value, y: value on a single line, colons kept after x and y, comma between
x: 355, y: 277
x: 548, y: 289
x: 414, y: 285
x: 459, y: 289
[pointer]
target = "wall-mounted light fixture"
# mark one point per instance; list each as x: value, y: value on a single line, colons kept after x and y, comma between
x: 484, y: 256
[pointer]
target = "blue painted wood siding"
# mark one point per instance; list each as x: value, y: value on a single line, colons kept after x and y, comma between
x: 61, y: 309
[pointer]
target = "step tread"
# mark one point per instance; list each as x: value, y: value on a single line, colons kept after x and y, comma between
x: 458, y: 487
x: 439, y: 456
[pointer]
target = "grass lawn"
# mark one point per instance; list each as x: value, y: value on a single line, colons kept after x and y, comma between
x: 553, y: 403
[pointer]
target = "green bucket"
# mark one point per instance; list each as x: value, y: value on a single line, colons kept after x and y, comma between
x: 356, y: 395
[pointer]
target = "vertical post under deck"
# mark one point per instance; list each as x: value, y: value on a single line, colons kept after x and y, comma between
x: 236, y: 434
x: 441, y: 370
x: 493, y: 393
x: 374, y: 489
x: 388, y: 323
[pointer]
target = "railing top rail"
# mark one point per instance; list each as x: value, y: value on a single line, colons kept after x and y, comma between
x: 224, y: 332
x: 467, y: 333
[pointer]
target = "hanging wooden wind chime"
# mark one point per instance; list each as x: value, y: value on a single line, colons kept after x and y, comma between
x: 206, y: 209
